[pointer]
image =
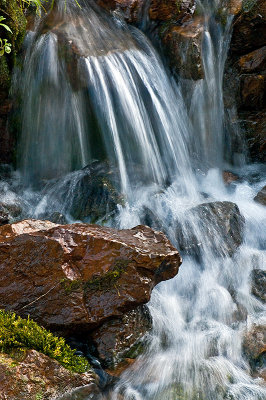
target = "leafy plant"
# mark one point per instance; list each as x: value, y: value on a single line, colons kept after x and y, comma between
x: 4, y: 25
x: 16, y: 332
x: 5, y: 46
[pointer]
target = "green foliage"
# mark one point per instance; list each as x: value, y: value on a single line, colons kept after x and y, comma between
x: 5, y: 46
x: 16, y: 332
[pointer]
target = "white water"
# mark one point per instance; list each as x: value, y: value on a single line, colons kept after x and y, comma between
x: 119, y: 101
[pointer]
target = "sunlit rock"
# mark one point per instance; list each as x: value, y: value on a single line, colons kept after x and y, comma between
x: 28, y: 374
x: 73, y: 278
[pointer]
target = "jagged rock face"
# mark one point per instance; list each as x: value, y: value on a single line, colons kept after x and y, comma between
x: 161, y: 10
x: 249, y: 28
x: 116, y: 339
x: 219, y: 224
x: 131, y: 9
x: 258, y: 281
x: 73, y: 278
x: 245, y: 81
x: 30, y: 375
x: 254, y: 346
x: 184, y: 43
x: 261, y: 196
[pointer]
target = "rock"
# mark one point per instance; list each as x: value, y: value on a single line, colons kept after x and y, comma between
x: 249, y: 28
x: 216, y: 227
x: 184, y: 44
x: 253, y: 125
x: 229, y: 177
x: 130, y: 9
x: 235, y: 6
x: 261, y: 196
x: 160, y: 10
x: 3, y: 216
x: 258, y: 284
x: 30, y: 375
x: 252, y: 88
x: 89, y: 194
x: 254, y: 343
x: 95, y: 195
x: 115, y: 339
x: 73, y: 278
x: 253, y: 62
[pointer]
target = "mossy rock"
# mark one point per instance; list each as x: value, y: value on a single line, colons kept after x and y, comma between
x: 16, y: 21
x: 17, y: 334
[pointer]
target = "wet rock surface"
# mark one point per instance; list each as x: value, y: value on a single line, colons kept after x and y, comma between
x: 130, y: 9
x: 120, y: 338
x: 254, y: 347
x: 73, y: 278
x: 30, y: 375
x: 184, y: 43
x: 219, y: 224
x: 245, y: 77
x: 258, y: 288
x: 261, y: 196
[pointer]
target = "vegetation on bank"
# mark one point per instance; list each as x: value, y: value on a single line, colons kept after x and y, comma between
x: 19, y: 333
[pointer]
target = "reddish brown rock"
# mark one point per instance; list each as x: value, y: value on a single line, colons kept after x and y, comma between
x: 29, y: 375
x: 254, y: 343
x: 131, y: 9
x: 73, y: 278
x: 184, y: 43
x: 252, y: 89
x: 229, y: 177
x: 254, y: 61
x: 254, y: 128
x: 116, y: 339
x: 161, y: 10
x: 249, y: 31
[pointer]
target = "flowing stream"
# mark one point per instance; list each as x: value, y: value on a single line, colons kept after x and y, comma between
x: 95, y: 89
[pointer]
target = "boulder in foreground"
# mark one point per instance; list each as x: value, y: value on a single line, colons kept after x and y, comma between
x: 73, y: 278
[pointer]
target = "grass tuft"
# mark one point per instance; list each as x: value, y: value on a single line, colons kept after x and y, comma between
x: 16, y: 332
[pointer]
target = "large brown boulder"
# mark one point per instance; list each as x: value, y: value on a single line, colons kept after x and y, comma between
x: 30, y: 375
x: 73, y: 278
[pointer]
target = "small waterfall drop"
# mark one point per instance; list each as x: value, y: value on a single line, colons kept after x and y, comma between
x: 94, y: 88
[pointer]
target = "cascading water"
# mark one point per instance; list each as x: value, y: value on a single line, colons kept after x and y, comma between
x: 92, y: 83
x: 96, y: 89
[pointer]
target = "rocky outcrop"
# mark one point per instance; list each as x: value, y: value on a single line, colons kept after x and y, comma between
x: 130, y: 9
x: 245, y: 76
x: 254, y: 347
x: 249, y: 27
x: 120, y: 338
x: 219, y: 225
x: 30, y: 375
x: 258, y: 284
x: 73, y: 278
x: 184, y: 45
x: 261, y: 196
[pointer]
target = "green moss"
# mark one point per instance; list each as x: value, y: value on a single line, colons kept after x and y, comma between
x: 19, y: 333
x: 105, y: 282
x: 4, y: 73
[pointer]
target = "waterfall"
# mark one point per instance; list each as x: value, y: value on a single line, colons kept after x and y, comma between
x: 92, y: 88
